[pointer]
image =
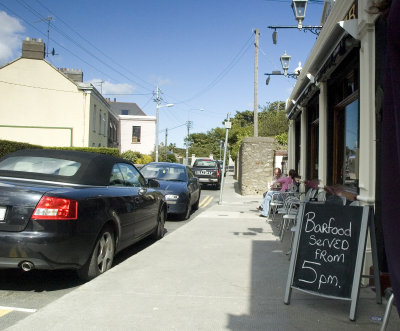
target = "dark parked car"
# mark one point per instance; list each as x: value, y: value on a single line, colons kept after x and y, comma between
x: 208, y: 171
x: 181, y: 188
x: 73, y: 210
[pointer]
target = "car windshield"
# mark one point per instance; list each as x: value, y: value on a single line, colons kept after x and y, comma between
x: 164, y: 172
x: 205, y: 163
x: 40, y: 165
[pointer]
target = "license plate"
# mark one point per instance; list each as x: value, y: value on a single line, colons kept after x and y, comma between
x: 205, y: 172
x: 3, y: 213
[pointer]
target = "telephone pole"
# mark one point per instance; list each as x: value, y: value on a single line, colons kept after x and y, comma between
x: 166, y: 146
x: 189, y: 125
x: 257, y: 33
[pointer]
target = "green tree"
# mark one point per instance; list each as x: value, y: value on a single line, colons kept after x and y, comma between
x: 272, y: 120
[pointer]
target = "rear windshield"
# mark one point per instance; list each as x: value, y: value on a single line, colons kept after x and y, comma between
x: 205, y: 163
x: 40, y: 165
x: 163, y: 172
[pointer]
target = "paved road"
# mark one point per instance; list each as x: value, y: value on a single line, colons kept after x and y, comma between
x: 23, y: 293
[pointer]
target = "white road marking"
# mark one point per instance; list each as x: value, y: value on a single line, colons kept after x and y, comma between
x: 25, y: 310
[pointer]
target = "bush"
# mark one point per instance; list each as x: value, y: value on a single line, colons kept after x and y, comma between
x: 131, y: 156
x: 171, y: 158
x: 7, y: 146
x: 137, y: 157
x: 144, y: 159
x: 100, y: 150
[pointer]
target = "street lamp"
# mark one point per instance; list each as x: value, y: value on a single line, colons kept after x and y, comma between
x: 158, y: 106
x: 285, y: 61
x: 299, y: 10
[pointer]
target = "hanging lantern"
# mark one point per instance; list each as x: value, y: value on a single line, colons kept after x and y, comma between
x: 299, y: 10
x: 285, y: 61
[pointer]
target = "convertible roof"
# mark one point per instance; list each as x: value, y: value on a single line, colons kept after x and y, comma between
x: 95, y: 168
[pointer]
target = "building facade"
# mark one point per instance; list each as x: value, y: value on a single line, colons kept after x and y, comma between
x: 48, y: 106
x: 334, y: 108
x: 136, y: 129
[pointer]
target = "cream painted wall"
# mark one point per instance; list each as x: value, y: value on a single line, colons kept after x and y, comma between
x: 44, y: 107
x: 147, y: 124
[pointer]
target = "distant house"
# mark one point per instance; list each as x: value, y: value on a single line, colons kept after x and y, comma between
x: 47, y: 106
x: 136, y: 129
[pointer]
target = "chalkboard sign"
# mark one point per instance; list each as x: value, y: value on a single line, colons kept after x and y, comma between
x: 328, y: 251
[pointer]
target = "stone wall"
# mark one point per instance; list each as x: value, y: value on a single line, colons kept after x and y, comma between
x: 255, y: 164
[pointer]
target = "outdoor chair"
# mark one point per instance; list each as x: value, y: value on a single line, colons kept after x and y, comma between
x: 389, y: 304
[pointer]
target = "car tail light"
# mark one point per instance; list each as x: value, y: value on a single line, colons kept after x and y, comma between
x: 217, y: 173
x: 51, y: 208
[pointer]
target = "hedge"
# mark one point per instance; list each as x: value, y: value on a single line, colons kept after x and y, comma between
x: 7, y: 146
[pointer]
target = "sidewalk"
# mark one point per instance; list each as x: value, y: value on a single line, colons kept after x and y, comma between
x: 224, y: 270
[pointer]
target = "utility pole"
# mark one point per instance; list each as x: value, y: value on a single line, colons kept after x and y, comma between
x: 157, y: 100
x: 189, y: 125
x: 256, y: 83
x: 166, y: 146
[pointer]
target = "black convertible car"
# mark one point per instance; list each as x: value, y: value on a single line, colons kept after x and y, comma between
x: 73, y: 210
x: 181, y: 188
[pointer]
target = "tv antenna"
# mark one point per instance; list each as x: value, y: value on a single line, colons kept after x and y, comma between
x: 48, y: 19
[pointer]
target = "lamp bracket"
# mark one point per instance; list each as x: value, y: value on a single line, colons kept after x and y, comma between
x: 314, y: 29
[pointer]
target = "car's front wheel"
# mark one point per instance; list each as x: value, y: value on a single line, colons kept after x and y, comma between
x: 186, y: 214
x: 196, y: 205
x: 102, y: 256
x: 159, y: 230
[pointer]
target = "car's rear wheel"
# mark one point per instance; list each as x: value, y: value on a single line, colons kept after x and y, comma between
x: 102, y: 256
x: 159, y: 230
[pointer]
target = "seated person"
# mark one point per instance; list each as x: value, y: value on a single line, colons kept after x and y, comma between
x: 274, y: 186
x: 286, y: 182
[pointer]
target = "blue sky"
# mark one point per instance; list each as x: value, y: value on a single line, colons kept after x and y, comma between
x: 200, y: 53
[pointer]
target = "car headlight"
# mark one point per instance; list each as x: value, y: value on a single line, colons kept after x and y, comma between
x: 171, y: 197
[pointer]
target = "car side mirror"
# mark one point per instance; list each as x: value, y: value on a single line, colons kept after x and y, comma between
x: 153, y: 183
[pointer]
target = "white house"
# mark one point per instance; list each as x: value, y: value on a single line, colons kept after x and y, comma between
x: 136, y: 129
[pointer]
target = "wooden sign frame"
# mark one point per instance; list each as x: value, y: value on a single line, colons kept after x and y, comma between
x: 367, y: 223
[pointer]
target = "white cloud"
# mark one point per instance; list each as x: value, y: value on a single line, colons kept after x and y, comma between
x: 110, y: 88
x: 10, y: 37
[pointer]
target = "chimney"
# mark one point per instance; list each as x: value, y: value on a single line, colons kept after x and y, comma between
x: 33, y: 49
x: 75, y: 74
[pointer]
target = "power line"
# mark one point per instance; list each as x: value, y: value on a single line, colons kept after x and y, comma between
x: 224, y: 72
x: 71, y: 39
x: 96, y: 48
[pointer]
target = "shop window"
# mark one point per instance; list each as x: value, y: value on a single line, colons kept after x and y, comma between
x: 346, y: 144
x: 343, y: 124
x: 136, y: 134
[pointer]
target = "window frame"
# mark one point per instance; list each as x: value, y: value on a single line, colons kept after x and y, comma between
x: 138, y: 138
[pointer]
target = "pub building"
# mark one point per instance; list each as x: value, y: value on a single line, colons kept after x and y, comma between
x: 334, y: 110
